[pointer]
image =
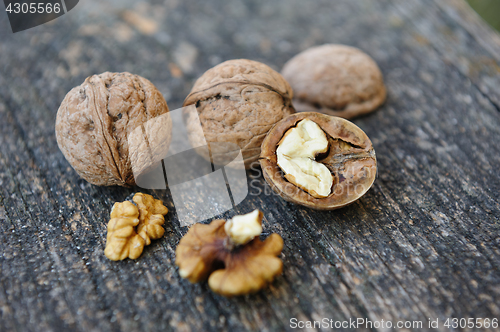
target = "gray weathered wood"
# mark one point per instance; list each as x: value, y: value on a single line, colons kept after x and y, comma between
x: 423, y: 243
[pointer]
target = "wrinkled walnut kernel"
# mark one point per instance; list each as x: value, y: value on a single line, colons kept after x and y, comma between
x: 132, y: 227
x: 350, y: 159
x: 204, y: 253
x: 237, y: 102
x: 334, y: 79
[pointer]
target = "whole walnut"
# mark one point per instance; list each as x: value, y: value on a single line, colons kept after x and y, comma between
x: 103, y: 128
x: 237, y: 102
x: 335, y: 79
x: 320, y: 161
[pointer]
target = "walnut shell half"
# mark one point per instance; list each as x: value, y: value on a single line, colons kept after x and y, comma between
x: 237, y: 102
x: 337, y: 80
x: 103, y: 128
x: 350, y: 158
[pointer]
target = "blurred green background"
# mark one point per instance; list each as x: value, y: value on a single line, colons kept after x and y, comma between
x: 489, y: 11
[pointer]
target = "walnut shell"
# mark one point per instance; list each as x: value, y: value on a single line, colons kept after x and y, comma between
x: 335, y: 79
x: 204, y: 253
x: 350, y: 159
x: 237, y: 102
x: 103, y: 128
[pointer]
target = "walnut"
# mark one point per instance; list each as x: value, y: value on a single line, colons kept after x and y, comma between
x: 122, y: 240
x: 349, y: 158
x: 206, y: 251
x: 103, y: 128
x: 335, y: 79
x: 243, y: 229
x: 237, y: 102
x: 132, y: 227
x: 151, y: 217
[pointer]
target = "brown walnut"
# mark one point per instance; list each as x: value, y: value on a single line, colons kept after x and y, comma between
x: 151, y: 220
x: 237, y: 102
x: 349, y: 157
x: 207, y: 251
x: 337, y: 80
x: 103, y: 128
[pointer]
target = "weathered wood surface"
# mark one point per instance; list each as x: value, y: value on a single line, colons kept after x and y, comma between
x: 423, y: 243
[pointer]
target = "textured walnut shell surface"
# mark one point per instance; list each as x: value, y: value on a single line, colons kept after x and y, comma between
x: 237, y: 102
x: 336, y: 80
x: 96, y: 118
x: 350, y: 159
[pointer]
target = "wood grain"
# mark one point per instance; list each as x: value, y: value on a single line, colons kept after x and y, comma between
x: 422, y: 243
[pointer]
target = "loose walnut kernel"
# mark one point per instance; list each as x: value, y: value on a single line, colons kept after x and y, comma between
x: 334, y: 79
x: 296, y: 152
x: 132, y: 227
x: 103, y: 126
x: 237, y: 102
x: 243, y: 229
x: 122, y: 240
x: 206, y: 251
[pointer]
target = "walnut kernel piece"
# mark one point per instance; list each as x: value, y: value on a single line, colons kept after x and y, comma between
x: 337, y: 80
x: 350, y: 160
x: 296, y: 153
x: 242, y: 229
x: 122, y: 239
x: 132, y: 227
x: 237, y: 102
x: 95, y: 122
x: 203, y: 253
